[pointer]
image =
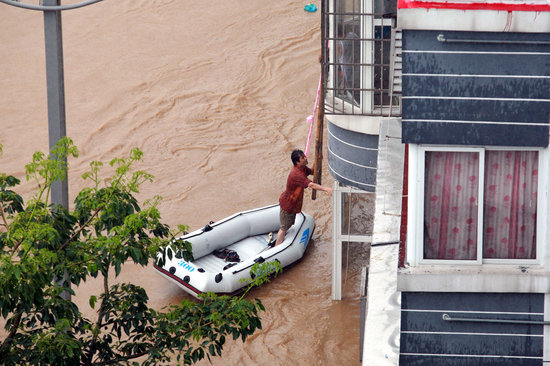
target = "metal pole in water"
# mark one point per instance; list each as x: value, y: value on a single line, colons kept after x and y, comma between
x: 55, y: 91
x: 55, y: 84
x: 56, y: 97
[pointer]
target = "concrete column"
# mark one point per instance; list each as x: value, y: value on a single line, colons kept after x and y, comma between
x: 337, y: 243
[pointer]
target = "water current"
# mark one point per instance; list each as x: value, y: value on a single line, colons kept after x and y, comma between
x: 216, y: 94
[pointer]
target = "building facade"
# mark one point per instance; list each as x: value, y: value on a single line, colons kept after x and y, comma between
x: 468, y: 86
x: 359, y: 102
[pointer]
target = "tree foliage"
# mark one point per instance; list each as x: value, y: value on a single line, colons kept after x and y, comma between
x: 47, y: 251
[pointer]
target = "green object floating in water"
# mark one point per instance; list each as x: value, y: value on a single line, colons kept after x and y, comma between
x: 310, y: 7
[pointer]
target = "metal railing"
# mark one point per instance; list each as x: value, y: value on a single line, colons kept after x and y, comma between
x: 448, y: 318
x: 358, y: 57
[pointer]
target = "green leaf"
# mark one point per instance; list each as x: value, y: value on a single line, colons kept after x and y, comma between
x: 93, y: 300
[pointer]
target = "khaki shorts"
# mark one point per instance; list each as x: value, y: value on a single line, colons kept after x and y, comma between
x: 287, y: 220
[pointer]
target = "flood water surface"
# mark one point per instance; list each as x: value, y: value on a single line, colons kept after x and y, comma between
x: 216, y: 94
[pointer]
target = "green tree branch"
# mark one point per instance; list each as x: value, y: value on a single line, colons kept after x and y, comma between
x: 108, y: 227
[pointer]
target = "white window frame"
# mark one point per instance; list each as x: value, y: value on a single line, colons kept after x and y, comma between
x: 415, y: 231
x: 338, y: 238
x: 366, y: 76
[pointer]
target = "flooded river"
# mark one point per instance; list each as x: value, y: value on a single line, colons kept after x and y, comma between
x: 216, y: 94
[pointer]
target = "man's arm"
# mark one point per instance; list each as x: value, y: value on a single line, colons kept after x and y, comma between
x: 320, y: 187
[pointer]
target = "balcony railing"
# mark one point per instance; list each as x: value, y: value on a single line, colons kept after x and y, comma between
x: 361, y: 57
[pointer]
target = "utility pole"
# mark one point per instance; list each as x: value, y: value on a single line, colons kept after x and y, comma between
x: 55, y: 87
x: 55, y: 91
x: 55, y: 84
x: 54, y: 77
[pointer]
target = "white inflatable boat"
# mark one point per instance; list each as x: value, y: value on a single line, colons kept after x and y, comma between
x: 225, y: 251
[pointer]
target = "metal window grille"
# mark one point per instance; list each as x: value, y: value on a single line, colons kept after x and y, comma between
x: 358, y: 57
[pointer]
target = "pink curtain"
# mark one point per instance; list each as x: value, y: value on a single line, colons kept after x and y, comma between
x: 450, y: 205
x: 510, y: 204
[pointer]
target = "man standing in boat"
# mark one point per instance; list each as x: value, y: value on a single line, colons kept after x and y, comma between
x: 292, y: 198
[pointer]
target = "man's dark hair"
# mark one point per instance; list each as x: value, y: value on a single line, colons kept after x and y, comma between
x: 296, y: 155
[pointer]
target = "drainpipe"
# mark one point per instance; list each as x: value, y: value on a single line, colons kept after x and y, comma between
x: 363, y: 309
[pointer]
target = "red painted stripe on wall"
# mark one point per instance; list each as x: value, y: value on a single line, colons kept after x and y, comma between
x: 411, y: 4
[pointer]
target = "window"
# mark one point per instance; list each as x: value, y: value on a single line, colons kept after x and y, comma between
x: 382, y: 48
x: 478, y: 205
x: 359, y: 57
x: 352, y: 229
x: 355, y: 212
x: 347, y: 72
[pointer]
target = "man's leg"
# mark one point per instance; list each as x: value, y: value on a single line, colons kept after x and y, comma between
x: 280, y: 237
x: 287, y: 220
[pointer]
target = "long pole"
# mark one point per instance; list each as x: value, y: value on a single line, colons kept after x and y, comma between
x: 318, y: 163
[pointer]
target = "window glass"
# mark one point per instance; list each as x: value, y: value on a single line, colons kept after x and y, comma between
x: 348, y: 51
x: 382, y: 51
x: 362, y: 57
x: 509, y: 204
x: 357, y: 214
x: 451, y: 205
x: 355, y: 255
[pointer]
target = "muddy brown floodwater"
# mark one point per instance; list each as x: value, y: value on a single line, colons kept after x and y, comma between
x: 216, y: 94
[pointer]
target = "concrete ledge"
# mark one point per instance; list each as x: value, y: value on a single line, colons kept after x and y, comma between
x: 383, y: 305
x: 523, y: 279
x: 363, y: 124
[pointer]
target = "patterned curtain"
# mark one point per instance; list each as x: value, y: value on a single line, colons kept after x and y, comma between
x: 510, y: 204
x: 450, y: 205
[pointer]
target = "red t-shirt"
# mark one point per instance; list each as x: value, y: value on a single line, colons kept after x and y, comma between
x: 291, y: 199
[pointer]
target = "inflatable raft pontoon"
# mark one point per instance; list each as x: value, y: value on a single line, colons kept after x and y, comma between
x: 225, y: 251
